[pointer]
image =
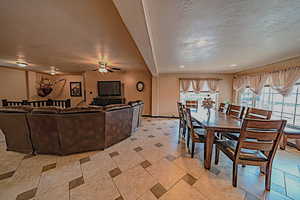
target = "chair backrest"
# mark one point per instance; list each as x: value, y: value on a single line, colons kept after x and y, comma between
x: 221, y: 107
x: 260, y: 135
x: 191, y: 104
x: 189, y: 122
x: 180, y: 110
x: 254, y: 113
x: 236, y: 111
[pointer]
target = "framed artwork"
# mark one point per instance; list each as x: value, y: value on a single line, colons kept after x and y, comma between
x: 75, y: 89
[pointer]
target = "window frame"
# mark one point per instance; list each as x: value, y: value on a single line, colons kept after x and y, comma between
x: 281, y: 114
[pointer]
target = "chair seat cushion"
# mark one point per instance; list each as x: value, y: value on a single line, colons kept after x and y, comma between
x: 229, y: 146
x: 200, y: 135
x: 291, y: 131
x: 196, y: 125
x: 232, y: 136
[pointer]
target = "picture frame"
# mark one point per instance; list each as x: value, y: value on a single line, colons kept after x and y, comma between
x: 75, y: 89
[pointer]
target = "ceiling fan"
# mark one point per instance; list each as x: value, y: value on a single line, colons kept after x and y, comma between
x: 103, y: 67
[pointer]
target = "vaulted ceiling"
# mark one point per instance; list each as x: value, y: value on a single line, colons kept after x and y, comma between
x: 220, y: 36
x: 72, y: 35
x: 170, y: 36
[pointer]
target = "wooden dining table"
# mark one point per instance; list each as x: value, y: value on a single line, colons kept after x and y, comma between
x: 213, y: 123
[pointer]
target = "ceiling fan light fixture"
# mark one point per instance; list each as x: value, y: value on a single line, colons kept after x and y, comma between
x: 21, y: 64
x: 102, y: 70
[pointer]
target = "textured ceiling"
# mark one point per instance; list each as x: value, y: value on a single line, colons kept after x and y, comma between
x: 72, y: 35
x: 203, y: 35
x: 210, y: 36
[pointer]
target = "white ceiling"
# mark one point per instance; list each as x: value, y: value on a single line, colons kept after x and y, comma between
x: 211, y: 35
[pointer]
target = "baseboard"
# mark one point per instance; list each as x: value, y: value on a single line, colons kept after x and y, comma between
x: 159, y: 116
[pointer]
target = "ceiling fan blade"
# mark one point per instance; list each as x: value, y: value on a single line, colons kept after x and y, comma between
x: 95, y: 70
x: 115, y: 68
x: 109, y: 70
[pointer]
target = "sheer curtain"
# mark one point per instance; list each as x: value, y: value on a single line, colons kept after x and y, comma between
x: 198, y: 85
x: 284, y: 80
x: 257, y: 82
x: 185, y: 84
x: 213, y: 85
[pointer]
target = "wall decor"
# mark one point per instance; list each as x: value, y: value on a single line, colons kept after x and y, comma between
x: 45, y: 86
x: 140, y: 86
x: 75, y: 89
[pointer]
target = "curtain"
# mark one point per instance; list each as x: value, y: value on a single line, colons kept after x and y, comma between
x: 284, y: 80
x: 198, y: 85
x: 257, y: 82
x: 213, y: 85
x: 185, y: 85
x: 239, y: 83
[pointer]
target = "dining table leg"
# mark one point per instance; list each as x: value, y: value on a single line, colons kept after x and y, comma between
x: 210, y: 136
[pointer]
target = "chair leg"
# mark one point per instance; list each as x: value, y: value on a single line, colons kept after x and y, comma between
x: 188, y: 139
x: 268, y: 177
x: 183, y: 129
x: 234, y: 174
x: 217, y: 155
x: 284, y: 142
x: 193, y: 149
x: 179, y: 132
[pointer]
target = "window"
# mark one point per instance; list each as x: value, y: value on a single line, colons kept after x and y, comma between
x: 246, y: 98
x: 191, y: 95
x: 287, y: 108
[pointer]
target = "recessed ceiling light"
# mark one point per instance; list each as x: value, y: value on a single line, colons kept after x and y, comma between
x: 21, y: 64
x: 233, y: 65
x: 181, y: 66
x: 201, y: 43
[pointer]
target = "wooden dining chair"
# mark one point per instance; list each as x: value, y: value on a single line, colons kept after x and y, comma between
x: 182, y: 122
x: 256, y: 146
x: 236, y: 111
x: 191, y: 104
x: 251, y: 113
x: 195, y: 133
x: 222, y: 107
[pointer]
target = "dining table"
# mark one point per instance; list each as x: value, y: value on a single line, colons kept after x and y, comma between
x: 213, y: 122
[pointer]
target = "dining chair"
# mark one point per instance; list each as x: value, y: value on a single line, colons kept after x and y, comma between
x: 195, y: 133
x: 236, y: 111
x: 222, y: 107
x: 192, y: 104
x: 251, y: 113
x: 256, y: 146
x: 182, y: 122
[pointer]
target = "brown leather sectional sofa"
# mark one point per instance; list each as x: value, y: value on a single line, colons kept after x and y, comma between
x: 66, y: 131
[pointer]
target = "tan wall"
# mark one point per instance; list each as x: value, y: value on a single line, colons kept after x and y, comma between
x: 129, y: 79
x: 167, y: 94
x: 12, y: 84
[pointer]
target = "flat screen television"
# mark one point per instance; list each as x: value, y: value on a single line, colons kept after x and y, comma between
x: 109, y: 88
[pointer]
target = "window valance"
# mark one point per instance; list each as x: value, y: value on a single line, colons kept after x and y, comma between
x: 197, y: 85
x: 282, y: 81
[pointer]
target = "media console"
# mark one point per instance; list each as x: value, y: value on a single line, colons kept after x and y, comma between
x: 103, y: 101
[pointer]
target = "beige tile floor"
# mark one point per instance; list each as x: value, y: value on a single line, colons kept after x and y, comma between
x: 147, y: 166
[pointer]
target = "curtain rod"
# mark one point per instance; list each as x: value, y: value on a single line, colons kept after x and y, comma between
x: 217, y: 79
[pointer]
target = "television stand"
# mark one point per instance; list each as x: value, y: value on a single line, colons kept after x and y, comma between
x: 108, y: 100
